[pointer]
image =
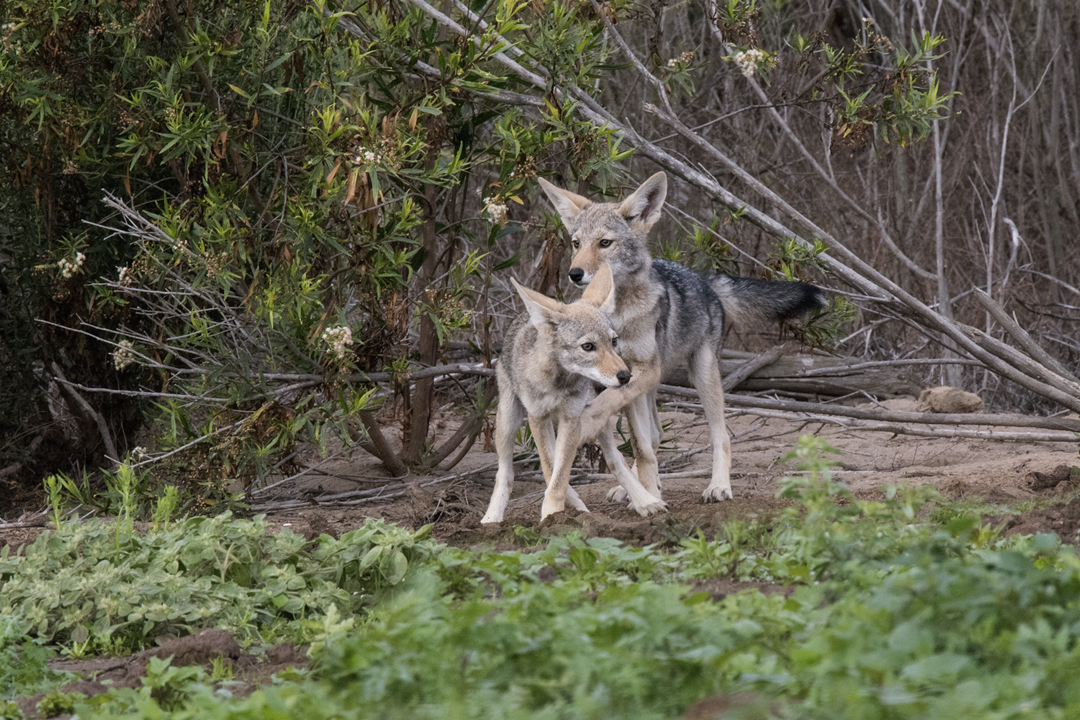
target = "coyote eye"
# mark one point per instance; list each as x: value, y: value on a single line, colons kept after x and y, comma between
x: 575, y: 244
x: 606, y: 242
x: 614, y: 342
x: 588, y: 347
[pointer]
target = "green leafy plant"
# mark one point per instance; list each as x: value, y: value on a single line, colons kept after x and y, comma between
x: 58, y: 703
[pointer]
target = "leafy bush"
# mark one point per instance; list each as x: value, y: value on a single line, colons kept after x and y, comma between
x: 93, y: 583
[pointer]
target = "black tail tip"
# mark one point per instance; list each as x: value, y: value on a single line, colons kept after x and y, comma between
x: 808, y: 298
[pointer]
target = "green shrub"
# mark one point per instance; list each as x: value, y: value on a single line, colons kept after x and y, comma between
x: 82, y: 583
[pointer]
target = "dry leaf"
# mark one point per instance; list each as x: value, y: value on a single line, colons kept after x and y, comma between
x: 350, y: 191
x: 333, y: 173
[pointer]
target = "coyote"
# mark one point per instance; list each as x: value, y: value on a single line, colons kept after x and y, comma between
x: 667, y: 316
x: 553, y: 354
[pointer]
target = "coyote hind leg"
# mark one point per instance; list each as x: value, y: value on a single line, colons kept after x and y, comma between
x: 705, y: 374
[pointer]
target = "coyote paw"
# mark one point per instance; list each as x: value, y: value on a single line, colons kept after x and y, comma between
x: 716, y: 494
x: 617, y: 494
x: 650, y: 507
x: 491, y: 517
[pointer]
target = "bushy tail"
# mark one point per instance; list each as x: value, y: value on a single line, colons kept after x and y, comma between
x: 750, y: 301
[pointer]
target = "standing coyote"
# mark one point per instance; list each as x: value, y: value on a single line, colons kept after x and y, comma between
x: 552, y: 356
x: 667, y: 316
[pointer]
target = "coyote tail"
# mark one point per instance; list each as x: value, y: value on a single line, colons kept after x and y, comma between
x: 749, y: 301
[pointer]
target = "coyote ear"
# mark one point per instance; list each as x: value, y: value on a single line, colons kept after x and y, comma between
x: 644, y: 206
x: 569, y: 205
x: 601, y: 290
x: 541, y: 308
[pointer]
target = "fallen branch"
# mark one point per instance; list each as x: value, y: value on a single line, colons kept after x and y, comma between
x: 1021, y: 335
x: 894, y: 416
x: 926, y: 431
x: 734, y: 379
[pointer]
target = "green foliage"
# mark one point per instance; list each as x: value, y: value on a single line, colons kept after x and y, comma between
x: 93, y: 583
x: 10, y: 710
x: 24, y: 669
x: 293, y: 198
x: 58, y: 703
x: 893, y: 611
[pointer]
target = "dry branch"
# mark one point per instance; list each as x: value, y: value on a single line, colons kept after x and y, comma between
x: 1021, y: 335
x: 892, y: 416
x: 733, y: 379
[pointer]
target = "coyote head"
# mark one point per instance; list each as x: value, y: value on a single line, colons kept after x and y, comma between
x: 580, y: 334
x: 612, y: 233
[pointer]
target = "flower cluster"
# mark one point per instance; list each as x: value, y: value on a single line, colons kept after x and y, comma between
x: 7, y: 30
x: 127, y: 277
x: 496, y: 209
x: 749, y: 61
x: 366, y: 156
x: 124, y: 354
x: 68, y: 268
x: 339, y: 339
x: 685, y: 59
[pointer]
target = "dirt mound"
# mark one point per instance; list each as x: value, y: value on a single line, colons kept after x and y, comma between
x: 101, y: 673
x: 1062, y: 519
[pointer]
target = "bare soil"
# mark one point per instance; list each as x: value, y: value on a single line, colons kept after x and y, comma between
x: 974, y: 469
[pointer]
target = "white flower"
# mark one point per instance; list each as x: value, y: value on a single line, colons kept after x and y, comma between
x: 369, y: 156
x: 749, y: 61
x: 68, y: 268
x: 124, y: 354
x: 339, y: 339
x: 495, y: 210
x: 672, y: 62
x: 127, y: 277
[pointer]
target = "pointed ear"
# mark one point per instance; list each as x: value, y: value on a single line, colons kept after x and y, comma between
x: 601, y: 291
x: 644, y: 206
x: 569, y: 205
x: 541, y: 308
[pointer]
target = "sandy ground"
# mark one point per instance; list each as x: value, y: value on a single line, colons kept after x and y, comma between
x: 970, y: 468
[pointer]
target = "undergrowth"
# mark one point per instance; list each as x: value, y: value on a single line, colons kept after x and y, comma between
x: 908, y: 607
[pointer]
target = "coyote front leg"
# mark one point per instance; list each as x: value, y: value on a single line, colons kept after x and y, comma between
x: 641, y: 500
x: 508, y: 418
x: 567, y: 441
x: 543, y: 432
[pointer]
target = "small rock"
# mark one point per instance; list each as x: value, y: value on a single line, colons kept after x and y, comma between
x: 947, y: 399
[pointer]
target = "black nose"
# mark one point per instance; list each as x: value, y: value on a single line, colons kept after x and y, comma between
x: 576, y: 274
x: 623, y: 376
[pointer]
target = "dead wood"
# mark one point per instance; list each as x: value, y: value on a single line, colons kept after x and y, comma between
x: 815, y: 374
x: 1061, y: 474
x: 1066, y: 425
